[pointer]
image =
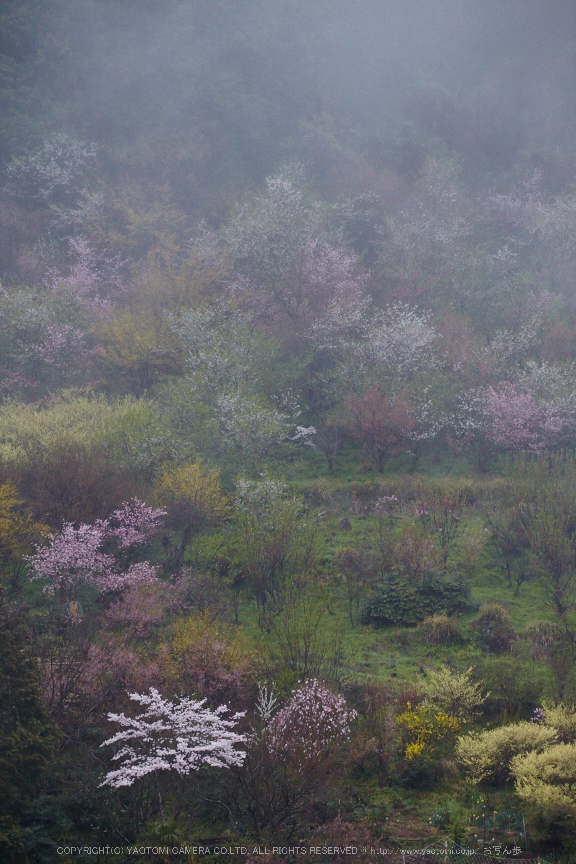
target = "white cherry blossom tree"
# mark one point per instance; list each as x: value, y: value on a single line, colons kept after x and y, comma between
x: 172, y: 736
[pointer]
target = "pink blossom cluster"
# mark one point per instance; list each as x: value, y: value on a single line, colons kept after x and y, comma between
x: 334, y: 292
x: 172, y: 736
x: 133, y: 523
x: 60, y: 344
x: 90, y: 277
x: 143, y: 607
x: 519, y: 422
x: 76, y: 555
x: 314, y: 722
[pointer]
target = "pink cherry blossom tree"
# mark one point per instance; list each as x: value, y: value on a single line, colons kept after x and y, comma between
x: 77, y: 554
x: 292, y: 758
x: 314, y: 722
x: 92, y: 279
x: 133, y: 523
x: 321, y: 297
x: 520, y: 422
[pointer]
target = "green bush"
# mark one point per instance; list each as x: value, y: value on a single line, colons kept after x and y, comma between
x: 397, y: 601
x: 494, y: 628
x: 515, y: 689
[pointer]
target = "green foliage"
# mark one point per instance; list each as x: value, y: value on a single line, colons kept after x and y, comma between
x: 306, y: 641
x: 28, y: 735
x: 135, y: 351
x: 275, y: 543
x: 515, y: 689
x: 397, y: 601
x: 17, y: 529
x: 194, y: 500
x: 76, y: 418
x: 562, y: 718
x: 548, y: 520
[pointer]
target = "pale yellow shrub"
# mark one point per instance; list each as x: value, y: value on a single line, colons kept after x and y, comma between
x: 126, y: 429
x: 547, y: 779
x: 562, y: 718
x: 454, y: 692
x: 487, y: 755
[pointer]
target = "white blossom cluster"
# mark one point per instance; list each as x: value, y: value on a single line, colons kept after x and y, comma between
x: 172, y: 736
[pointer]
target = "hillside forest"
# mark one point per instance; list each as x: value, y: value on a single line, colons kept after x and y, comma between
x: 287, y: 429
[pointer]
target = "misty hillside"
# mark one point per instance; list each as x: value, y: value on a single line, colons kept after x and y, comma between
x: 287, y: 430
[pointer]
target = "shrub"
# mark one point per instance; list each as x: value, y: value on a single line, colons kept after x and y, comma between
x: 542, y: 636
x: 494, y: 628
x: 397, y: 601
x: 514, y: 689
x: 427, y: 733
x: 546, y: 781
x: 562, y: 718
x: 454, y: 692
x: 487, y: 755
x: 439, y: 630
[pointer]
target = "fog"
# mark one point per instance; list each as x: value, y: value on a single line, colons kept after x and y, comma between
x: 224, y: 91
x: 287, y: 430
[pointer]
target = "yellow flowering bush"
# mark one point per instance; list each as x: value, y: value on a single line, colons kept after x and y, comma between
x: 426, y: 730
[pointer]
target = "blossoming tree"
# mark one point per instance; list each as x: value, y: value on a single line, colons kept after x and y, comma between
x: 172, y: 736
x: 75, y: 555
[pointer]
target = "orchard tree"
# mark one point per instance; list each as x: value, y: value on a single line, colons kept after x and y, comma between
x: 292, y: 758
x: 135, y: 350
x: 55, y: 174
x: 93, y: 281
x: 547, y: 517
x: 43, y: 343
x: 274, y: 542
x: 519, y: 422
x: 398, y: 343
x: 512, y: 544
x: 425, y: 245
x: 291, y: 269
x: 380, y: 423
x: 540, y: 228
x: 194, y: 501
x: 211, y: 660
x: 359, y: 569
